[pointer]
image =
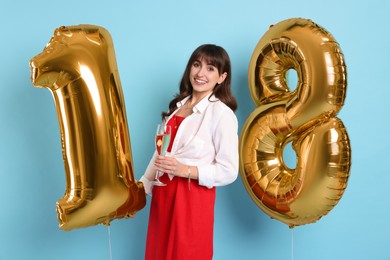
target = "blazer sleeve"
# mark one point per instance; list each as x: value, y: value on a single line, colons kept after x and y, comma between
x: 149, y: 175
x: 224, y: 169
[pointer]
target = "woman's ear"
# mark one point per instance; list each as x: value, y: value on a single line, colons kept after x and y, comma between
x: 222, y: 78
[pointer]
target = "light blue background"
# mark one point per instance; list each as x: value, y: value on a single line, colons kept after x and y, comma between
x: 153, y: 40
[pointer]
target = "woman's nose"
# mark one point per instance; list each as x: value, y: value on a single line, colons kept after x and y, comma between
x: 201, y: 71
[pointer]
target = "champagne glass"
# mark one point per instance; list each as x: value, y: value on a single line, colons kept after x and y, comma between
x: 163, y: 138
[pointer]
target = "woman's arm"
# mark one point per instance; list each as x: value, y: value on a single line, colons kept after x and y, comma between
x: 224, y: 169
x: 149, y: 175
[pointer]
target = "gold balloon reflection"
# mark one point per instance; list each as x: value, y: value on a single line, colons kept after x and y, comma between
x: 305, y: 116
x: 79, y: 67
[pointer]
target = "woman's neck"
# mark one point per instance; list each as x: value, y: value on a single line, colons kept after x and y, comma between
x: 197, y: 97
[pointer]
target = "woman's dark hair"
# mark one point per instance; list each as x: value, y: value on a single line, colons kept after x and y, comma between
x: 216, y: 56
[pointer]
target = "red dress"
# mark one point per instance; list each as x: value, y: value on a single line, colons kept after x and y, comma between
x: 181, y: 220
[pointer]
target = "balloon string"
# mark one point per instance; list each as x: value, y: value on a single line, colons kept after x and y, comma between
x: 292, y: 244
x: 109, y: 241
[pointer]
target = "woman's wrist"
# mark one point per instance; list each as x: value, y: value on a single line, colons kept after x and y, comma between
x: 190, y: 172
x: 189, y: 177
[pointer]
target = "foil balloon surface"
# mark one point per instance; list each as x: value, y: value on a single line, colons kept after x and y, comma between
x: 78, y: 66
x: 304, y: 117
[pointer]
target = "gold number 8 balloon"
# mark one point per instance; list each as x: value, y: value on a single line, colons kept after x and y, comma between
x: 305, y: 117
x: 79, y: 67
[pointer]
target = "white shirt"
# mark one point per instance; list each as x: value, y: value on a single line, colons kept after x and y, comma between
x: 207, y: 139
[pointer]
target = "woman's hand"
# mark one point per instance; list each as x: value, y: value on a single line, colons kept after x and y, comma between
x: 171, y: 165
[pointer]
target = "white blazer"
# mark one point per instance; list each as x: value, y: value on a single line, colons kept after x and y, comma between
x: 207, y: 139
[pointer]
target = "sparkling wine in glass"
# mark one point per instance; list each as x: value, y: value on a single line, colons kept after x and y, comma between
x: 163, y: 138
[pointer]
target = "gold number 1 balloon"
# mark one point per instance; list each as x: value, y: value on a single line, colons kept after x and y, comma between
x: 79, y: 67
x: 306, y: 117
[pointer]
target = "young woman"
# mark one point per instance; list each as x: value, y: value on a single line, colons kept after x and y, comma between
x: 203, y: 154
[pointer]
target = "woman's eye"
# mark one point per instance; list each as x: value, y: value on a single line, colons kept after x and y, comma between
x: 196, y: 64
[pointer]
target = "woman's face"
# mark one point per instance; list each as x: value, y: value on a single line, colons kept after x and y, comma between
x: 204, y: 77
